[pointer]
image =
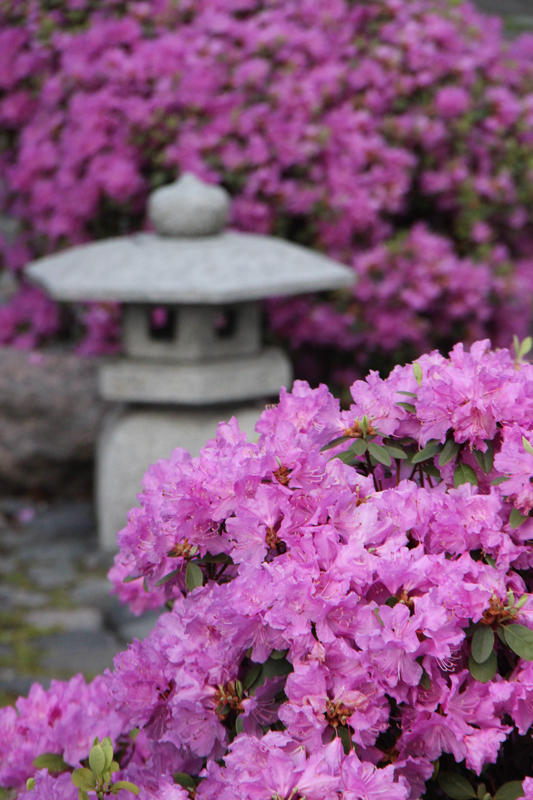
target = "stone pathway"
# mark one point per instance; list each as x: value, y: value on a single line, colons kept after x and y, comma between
x: 57, y: 617
x: 516, y: 14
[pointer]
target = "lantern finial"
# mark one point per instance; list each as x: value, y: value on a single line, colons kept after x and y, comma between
x: 189, y: 207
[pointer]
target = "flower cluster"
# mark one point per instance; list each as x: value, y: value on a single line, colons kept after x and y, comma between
x: 399, y: 128
x: 350, y: 608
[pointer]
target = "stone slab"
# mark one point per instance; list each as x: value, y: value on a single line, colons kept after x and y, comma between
x: 76, y: 619
x: 13, y: 597
x: 94, y: 592
x: 132, y: 440
x: 147, y: 268
x: 78, y: 651
x: 52, y: 576
x: 205, y: 383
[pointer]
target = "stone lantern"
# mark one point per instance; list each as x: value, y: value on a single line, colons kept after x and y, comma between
x: 192, y: 333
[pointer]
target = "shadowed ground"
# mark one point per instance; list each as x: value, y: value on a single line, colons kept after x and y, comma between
x: 57, y: 617
x: 517, y: 14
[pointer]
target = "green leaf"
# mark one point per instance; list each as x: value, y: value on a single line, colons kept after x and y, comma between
x: 486, y: 671
x: 379, y: 453
x: 130, y: 787
x: 408, y: 407
x: 486, y: 459
x: 107, y: 747
x: 516, y: 518
x: 347, y: 458
x: 417, y: 372
x: 464, y: 474
x: 527, y: 446
x: 430, y: 469
x: 252, y: 675
x: 84, y: 779
x: 82, y: 795
x: 276, y: 668
x: 344, y: 735
x: 395, y: 452
x: 219, y: 558
x: 182, y: 779
x: 520, y: 640
x: 194, y: 576
x: 392, y: 601
x: 30, y: 784
x: 482, y: 644
x: 501, y: 634
x: 169, y: 576
x: 53, y: 762
x: 455, y: 786
x: 97, y: 759
x: 335, y: 442
x: 522, y: 349
x: 277, y: 654
x: 451, y: 448
x: 130, y: 578
x: 429, y: 451
x: 239, y: 725
x: 359, y: 447
x: 500, y: 479
x: 425, y: 680
x: 409, y: 394
x: 510, y: 791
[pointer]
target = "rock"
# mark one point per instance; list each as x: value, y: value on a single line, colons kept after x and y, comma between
x: 76, y: 619
x: 189, y: 207
x: 95, y: 592
x: 12, y: 597
x: 52, y: 576
x: 78, y: 651
x: 49, y: 418
x: 15, y: 684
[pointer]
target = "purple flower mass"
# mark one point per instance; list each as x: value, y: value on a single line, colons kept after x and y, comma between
x: 349, y: 604
x: 393, y: 134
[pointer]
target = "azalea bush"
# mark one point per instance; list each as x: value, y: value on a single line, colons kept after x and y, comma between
x: 349, y: 607
x: 396, y: 136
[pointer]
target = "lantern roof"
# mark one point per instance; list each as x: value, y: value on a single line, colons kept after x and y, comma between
x: 189, y: 260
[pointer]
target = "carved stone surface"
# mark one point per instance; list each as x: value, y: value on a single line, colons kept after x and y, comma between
x: 131, y: 440
x: 50, y: 413
x: 189, y: 207
x: 146, y: 268
x: 200, y: 384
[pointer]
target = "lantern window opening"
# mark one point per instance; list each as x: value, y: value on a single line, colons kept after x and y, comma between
x: 162, y: 324
x: 226, y: 323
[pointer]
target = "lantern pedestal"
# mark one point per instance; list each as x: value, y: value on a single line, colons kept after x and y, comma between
x: 132, y: 438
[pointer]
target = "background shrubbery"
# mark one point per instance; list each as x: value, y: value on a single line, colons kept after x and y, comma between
x: 394, y: 135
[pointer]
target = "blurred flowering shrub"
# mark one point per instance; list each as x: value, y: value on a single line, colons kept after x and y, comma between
x: 351, y: 609
x: 397, y: 136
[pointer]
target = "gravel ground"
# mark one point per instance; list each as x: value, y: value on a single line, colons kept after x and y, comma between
x: 57, y: 617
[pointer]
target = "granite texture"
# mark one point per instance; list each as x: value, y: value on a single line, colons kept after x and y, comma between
x: 196, y: 384
x: 146, y: 268
x: 189, y: 207
x: 132, y: 440
x: 196, y: 336
x: 49, y: 418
